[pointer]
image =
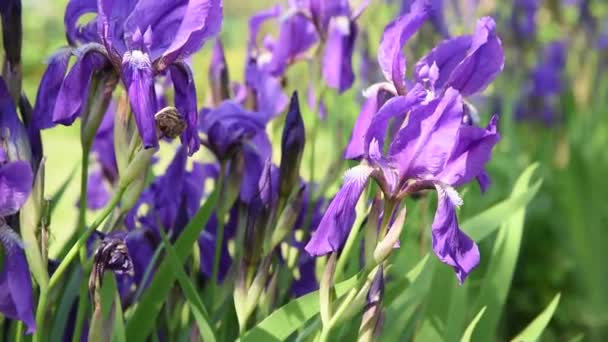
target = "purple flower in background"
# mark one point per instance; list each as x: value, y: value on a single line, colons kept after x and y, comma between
x: 16, y: 299
x: 523, y: 19
x: 141, y: 39
x: 336, y: 22
x: 541, y: 96
x: 434, y: 150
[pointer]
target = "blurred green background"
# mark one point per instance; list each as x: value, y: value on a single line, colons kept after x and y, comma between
x: 565, y: 237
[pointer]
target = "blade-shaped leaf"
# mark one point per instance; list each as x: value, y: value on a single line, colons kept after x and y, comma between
x: 466, y: 337
x: 195, y: 302
x: 497, y: 282
x: 292, y: 316
x: 143, y: 320
x: 533, y: 331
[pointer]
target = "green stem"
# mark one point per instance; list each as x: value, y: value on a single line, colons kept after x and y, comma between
x: 81, y: 311
x: 65, y: 263
x: 40, y: 315
x: 219, y: 238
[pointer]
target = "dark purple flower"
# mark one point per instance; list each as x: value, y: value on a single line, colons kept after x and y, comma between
x: 540, y: 97
x: 523, y: 19
x: 16, y: 178
x: 434, y: 150
x: 292, y: 148
x: 141, y: 39
x: 16, y: 300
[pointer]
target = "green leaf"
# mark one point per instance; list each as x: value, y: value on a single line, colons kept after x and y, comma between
x: 292, y: 316
x: 533, y: 331
x: 466, y: 337
x: 143, y: 320
x: 68, y: 297
x: 119, y: 333
x: 497, y: 281
x: 195, y: 302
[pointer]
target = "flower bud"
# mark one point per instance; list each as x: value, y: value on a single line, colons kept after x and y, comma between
x: 137, y: 167
x: 287, y: 220
x: 169, y: 123
x: 12, y: 30
x: 12, y: 37
x: 292, y: 147
x: 122, y: 133
x: 326, y: 294
x: 371, y: 322
x: 371, y: 229
x: 387, y: 244
x: 219, y: 79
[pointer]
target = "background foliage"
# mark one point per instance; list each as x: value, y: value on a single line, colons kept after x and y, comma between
x: 558, y: 248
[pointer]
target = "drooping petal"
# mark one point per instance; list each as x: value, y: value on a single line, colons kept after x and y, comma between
x: 74, y: 90
x: 185, y: 102
x: 202, y: 20
x: 450, y: 244
x: 390, y: 57
x: 16, y: 295
x: 49, y: 88
x: 75, y: 33
x: 423, y: 146
x: 137, y: 74
x: 337, y: 222
x: 337, y: 62
x: 15, y: 186
x: 470, y: 154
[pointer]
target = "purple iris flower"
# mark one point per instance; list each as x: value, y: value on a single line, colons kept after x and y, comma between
x: 540, y: 97
x: 466, y: 63
x: 523, y: 19
x: 430, y: 147
x: 233, y: 133
x: 141, y: 40
x: 434, y: 150
x: 172, y: 200
x: 16, y: 178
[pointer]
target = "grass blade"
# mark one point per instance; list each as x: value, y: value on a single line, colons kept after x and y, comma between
x: 143, y: 320
x: 195, y: 302
x: 533, y: 331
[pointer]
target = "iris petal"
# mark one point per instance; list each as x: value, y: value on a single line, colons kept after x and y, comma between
x: 185, y: 102
x: 338, y: 220
x: 138, y: 77
x: 450, y: 244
